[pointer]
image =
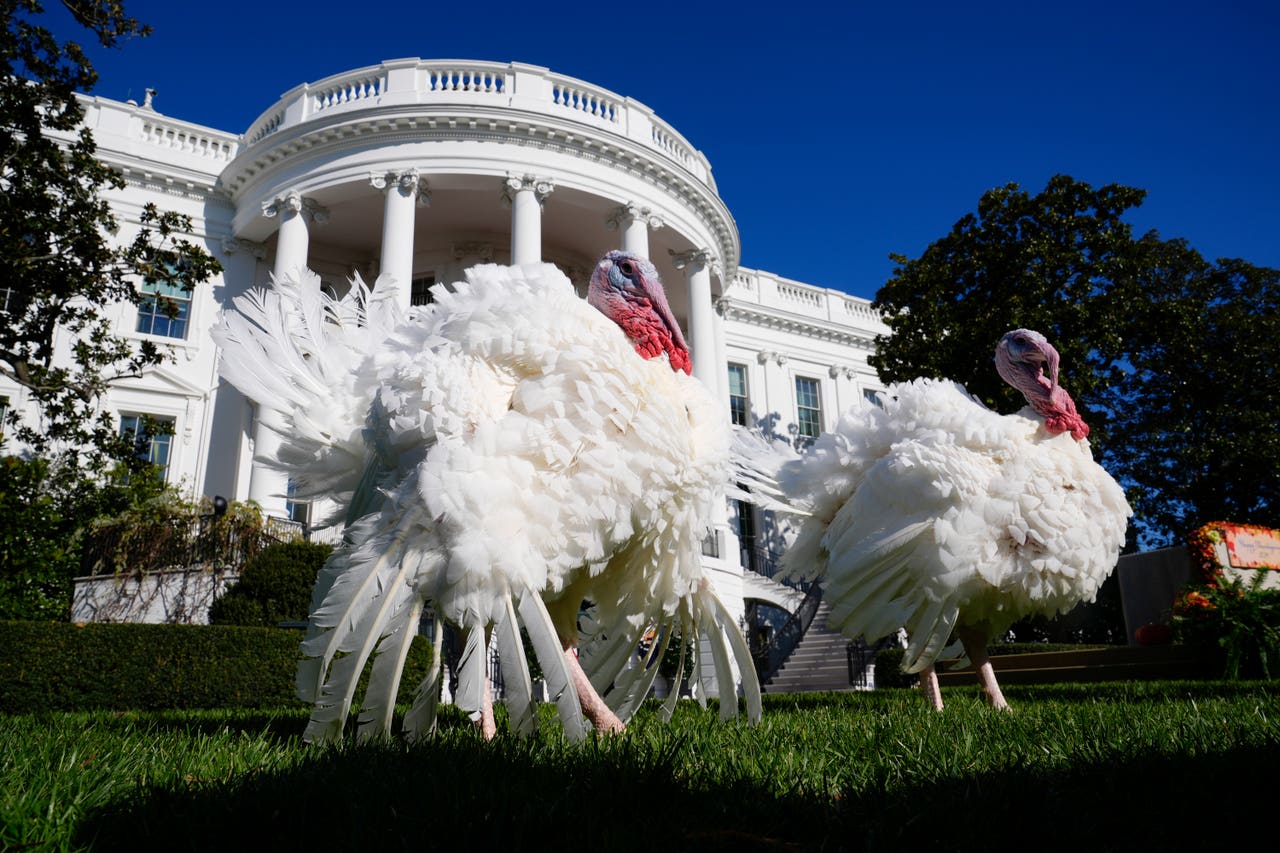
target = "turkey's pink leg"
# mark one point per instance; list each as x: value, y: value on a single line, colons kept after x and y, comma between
x: 975, y: 645
x: 593, y: 707
x: 488, y: 726
x: 929, y: 684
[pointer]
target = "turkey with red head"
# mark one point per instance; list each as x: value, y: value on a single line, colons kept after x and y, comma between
x: 933, y: 513
x: 499, y: 456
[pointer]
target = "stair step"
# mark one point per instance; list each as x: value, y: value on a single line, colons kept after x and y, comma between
x: 818, y: 664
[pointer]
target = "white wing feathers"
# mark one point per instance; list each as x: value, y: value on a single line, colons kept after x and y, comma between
x: 499, y: 445
x: 293, y: 350
x: 933, y: 506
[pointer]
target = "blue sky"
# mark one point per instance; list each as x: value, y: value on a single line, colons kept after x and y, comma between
x: 836, y: 136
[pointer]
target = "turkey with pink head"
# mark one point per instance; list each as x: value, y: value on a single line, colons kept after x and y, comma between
x: 933, y: 513
x: 499, y: 456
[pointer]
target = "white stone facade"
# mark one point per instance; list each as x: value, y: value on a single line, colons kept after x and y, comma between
x: 421, y: 168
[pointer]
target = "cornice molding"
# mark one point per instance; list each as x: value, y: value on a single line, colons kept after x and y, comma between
x: 794, y: 324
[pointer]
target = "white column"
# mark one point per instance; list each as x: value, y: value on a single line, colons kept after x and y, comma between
x: 634, y: 222
x: 266, y: 486
x: 401, y: 190
x: 525, y: 195
x: 702, y: 340
x: 722, y: 350
x: 292, y: 239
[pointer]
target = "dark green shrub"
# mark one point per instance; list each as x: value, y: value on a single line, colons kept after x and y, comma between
x: 64, y: 667
x: 274, y: 587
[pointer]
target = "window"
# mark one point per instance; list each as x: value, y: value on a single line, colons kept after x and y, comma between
x: 4, y: 413
x: 747, y: 536
x: 164, y: 310
x: 298, y: 511
x: 871, y: 395
x: 420, y: 290
x: 739, y: 403
x: 152, y: 436
x: 808, y: 410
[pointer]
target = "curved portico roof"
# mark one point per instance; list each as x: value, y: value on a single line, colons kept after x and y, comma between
x: 461, y: 121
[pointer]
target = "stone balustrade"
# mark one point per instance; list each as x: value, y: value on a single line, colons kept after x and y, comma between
x: 427, y: 85
x: 817, y: 303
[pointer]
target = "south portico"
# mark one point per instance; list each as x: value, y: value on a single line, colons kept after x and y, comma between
x: 414, y: 170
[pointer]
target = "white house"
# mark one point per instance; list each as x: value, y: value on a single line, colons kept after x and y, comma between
x: 420, y: 168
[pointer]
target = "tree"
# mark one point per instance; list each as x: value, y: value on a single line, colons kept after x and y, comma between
x: 1168, y: 357
x: 62, y: 267
x: 1192, y: 409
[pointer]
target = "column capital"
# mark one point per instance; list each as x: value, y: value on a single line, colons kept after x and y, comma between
x: 693, y: 259
x: 541, y: 187
x: 407, y: 182
x: 623, y: 215
x: 838, y: 370
x: 293, y: 202
x: 231, y: 245
x: 766, y: 356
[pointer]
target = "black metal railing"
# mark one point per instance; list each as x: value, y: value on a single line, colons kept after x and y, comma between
x: 177, y: 543
x: 862, y: 655
x: 785, y: 639
x: 764, y: 562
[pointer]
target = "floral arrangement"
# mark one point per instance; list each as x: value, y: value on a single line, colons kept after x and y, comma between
x: 1240, y: 620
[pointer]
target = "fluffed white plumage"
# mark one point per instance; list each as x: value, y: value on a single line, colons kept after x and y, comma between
x: 499, y: 452
x: 934, y: 513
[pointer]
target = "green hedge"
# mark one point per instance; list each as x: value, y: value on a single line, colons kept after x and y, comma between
x: 56, y: 666
x: 889, y: 661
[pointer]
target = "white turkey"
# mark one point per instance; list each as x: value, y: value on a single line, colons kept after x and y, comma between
x: 499, y: 456
x: 935, y: 513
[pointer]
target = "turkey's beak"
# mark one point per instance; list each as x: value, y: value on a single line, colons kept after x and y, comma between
x: 1051, y: 364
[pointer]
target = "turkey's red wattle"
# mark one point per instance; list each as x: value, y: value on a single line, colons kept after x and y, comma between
x: 652, y: 337
x: 1060, y: 415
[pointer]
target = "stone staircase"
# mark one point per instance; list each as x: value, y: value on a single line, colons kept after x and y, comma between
x: 819, y: 662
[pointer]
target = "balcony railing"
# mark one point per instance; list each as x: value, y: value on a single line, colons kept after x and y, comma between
x: 426, y: 85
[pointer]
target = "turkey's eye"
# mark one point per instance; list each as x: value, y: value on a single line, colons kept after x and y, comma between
x: 627, y: 268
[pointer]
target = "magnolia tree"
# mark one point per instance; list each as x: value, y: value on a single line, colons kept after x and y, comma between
x: 64, y: 268
x: 1171, y: 358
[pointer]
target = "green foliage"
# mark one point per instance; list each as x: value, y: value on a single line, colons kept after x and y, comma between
x: 274, y: 586
x: 58, y: 666
x: 50, y: 666
x: 1192, y: 408
x: 64, y: 269
x: 1241, y: 621
x: 168, y: 530
x: 46, y: 509
x: 1170, y: 358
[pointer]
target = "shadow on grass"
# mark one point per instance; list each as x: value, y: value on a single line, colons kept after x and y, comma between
x: 634, y: 794
x: 457, y: 791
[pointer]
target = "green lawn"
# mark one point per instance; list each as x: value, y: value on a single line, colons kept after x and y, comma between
x: 1144, y: 766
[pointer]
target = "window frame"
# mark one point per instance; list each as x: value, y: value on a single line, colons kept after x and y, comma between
x: 744, y: 397
x: 151, y: 305
x: 814, y: 420
x: 163, y: 439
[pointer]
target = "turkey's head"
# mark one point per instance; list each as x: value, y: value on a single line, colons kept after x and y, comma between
x: 626, y: 289
x: 1023, y: 358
